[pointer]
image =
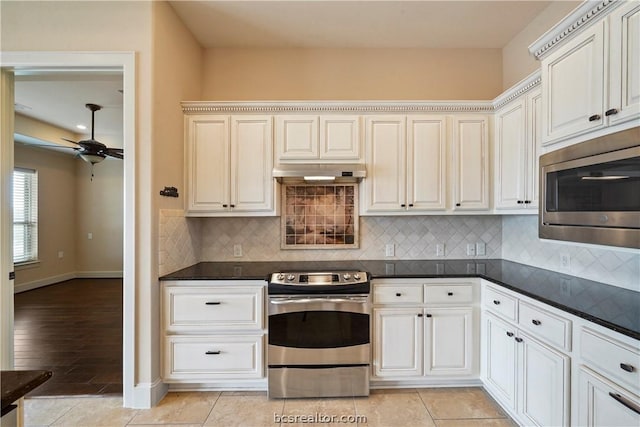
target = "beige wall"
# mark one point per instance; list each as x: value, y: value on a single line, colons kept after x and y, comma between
x: 516, y: 60
x: 44, y: 131
x: 352, y: 74
x: 57, y: 217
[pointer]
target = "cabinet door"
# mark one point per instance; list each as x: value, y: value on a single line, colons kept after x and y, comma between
x: 500, y: 361
x: 602, y: 403
x: 624, y: 64
x: 297, y: 137
x: 426, y: 165
x: 397, y: 342
x: 544, y: 384
x: 448, y: 341
x: 385, y: 185
x: 207, y: 144
x: 534, y: 139
x: 340, y: 138
x: 470, y: 163
x: 511, y: 151
x: 573, y: 86
x: 252, y: 187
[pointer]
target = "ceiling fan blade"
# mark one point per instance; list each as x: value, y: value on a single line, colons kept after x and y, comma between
x: 118, y: 153
x: 68, y: 140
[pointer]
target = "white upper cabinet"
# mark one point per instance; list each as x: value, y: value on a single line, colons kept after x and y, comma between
x: 592, y: 81
x: 470, y: 162
x: 229, y: 163
x: 304, y: 138
x: 624, y: 64
x: 405, y: 158
x: 517, y: 146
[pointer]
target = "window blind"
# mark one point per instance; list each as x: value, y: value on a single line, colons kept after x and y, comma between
x: 25, y: 215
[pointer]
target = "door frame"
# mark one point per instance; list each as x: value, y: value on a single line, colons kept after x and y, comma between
x: 73, y: 61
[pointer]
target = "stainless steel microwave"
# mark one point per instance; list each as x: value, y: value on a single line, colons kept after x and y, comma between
x: 590, y: 192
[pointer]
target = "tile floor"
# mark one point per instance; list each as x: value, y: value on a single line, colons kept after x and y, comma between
x: 460, y: 407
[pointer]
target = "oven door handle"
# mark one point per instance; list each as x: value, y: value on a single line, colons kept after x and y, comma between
x: 279, y: 301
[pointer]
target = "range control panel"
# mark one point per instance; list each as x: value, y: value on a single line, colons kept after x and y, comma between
x: 319, y: 279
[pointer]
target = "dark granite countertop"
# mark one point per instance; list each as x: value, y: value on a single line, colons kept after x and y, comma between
x: 610, y: 306
x: 15, y: 384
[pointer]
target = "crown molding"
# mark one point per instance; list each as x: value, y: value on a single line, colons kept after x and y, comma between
x: 582, y: 17
x: 355, y: 107
x: 530, y: 82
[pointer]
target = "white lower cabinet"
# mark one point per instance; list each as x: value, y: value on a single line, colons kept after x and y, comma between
x: 420, y: 335
x: 528, y: 377
x: 212, y: 331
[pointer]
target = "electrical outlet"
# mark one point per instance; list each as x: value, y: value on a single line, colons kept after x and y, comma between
x: 565, y: 261
x: 471, y: 249
x: 390, y: 250
x: 237, y: 250
x: 440, y: 249
x: 481, y: 249
x: 60, y: 254
x: 89, y: 236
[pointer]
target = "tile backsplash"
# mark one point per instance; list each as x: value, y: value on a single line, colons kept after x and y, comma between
x: 413, y: 237
x: 520, y: 243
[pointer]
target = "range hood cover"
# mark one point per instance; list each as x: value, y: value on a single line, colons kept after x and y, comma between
x: 320, y: 172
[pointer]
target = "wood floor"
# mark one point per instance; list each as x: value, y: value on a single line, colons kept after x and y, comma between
x: 74, y: 329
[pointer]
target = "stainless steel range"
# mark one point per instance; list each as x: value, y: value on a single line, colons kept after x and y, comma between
x: 319, y: 340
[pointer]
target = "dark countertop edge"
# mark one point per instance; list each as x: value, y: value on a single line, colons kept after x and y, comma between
x: 17, y: 383
x: 578, y: 313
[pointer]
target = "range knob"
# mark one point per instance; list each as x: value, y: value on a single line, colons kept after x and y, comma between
x: 356, y: 276
x: 290, y: 277
x: 280, y: 276
x: 346, y: 276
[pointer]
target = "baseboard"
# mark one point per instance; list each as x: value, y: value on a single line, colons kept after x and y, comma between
x: 146, y: 395
x: 23, y: 287
x: 34, y: 284
x: 99, y: 274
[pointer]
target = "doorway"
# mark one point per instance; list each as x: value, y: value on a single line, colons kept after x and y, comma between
x: 125, y: 62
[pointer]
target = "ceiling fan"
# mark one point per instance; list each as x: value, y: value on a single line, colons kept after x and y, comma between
x: 92, y: 151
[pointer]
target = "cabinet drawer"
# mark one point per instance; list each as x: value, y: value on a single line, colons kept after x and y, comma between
x: 200, y: 358
x: 613, y: 359
x: 551, y: 328
x: 397, y: 294
x: 500, y: 303
x: 197, y: 309
x: 436, y: 294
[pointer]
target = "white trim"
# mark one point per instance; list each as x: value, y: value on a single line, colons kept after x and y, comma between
x: 126, y: 61
x: 575, y: 22
x: 378, y: 107
x: 115, y: 274
x: 147, y: 395
x: 530, y: 82
x: 40, y: 283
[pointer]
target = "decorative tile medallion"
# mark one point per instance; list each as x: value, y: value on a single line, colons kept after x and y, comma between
x: 319, y: 216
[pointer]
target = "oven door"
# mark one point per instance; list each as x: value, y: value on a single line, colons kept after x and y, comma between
x: 318, y: 330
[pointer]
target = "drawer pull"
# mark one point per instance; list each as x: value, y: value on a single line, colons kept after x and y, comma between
x: 398, y: 294
x: 625, y: 402
x: 594, y: 117
x: 611, y: 112
x: 518, y: 339
x: 536, y: 322
x: 429, y: 315
x: 213, y: 303
x: 212, y: 352
x: 509, y: 334
x: 627, y: 367
x: 496, y: 302
x: 420, y: 315
x: 450, y: 293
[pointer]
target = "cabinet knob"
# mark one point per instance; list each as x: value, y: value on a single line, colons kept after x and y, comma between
x: 526, y: 202
x: 212, y: 352
x: 611, y: 112
x: 410, y: 205
x: 457, y: 204
x: 520, y: 202
x: 428, y: 315
x: 398, y: 294
x: 496, y: 302
x: 233, y: 206
x: 627, y: 367
x: 594, y: 118
x: 403, y: 205
x: 450, y: 293
x: 509, y: 334
x: 225, y: 206
x: 518, y: 339
x: 536, y: 322
x: 420, y: 315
